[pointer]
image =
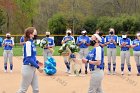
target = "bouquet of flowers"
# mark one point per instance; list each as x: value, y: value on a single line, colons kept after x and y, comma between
x: 43, y: 43
x: 67, y: 48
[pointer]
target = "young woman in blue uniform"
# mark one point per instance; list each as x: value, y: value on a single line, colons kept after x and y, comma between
x: 30, y: 63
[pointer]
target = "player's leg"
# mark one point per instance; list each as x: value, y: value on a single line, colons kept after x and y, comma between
x: 114, y: 59
x: 85, y: 54
x: 5, y: 55
x: 136, y: 57
x: 109, y: 60
x: 67, y: 64
x: 10, y: 56
x: 81, y: 53
x: 34, y: 84
x: 95, y: 82
x: 49, y: 53
x: 122, y: 54
x: 45, y: 56
x: 128, y: 62
x: 27, y: 76
x: 99, y: 89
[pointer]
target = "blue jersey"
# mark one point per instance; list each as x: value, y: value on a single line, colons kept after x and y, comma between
x: 7, y: 42
x: 30, y: 54
x: 108, y: 38
x: 95, y: 54
x: 81, y: 39
x: 68, y: 37
x: 22, y: 39
x: 136, y: 42
x: 50, y: 41
x: 127, y: 41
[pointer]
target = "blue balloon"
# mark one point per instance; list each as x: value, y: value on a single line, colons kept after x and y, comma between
x: 50, y: 66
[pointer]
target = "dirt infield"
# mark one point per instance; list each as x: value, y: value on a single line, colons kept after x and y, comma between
x: 62, y: 83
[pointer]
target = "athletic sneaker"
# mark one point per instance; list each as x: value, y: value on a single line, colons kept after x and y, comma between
x: 11, y: 71
x: 129, y: 73
x: 138, y: 74
x: 86, y: 71
x: 114, y: 73
x: 122, y: 73
x: 109, y: 72
x: 5, y: 71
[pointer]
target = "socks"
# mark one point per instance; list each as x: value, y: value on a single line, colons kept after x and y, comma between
x: 67, y: 65
x: 114, y: 67
x: 129, y: 68
x: 5, y: 66
x: 122, y: 67
x: 109, y: 66
x: 11, y: 66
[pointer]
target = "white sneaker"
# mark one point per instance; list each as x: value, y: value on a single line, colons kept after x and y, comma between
x: 109, y: 72
x: 129, y: 73
x: 5, y: 71
x: 11, y: 71
x: 69, y: 72
x: 114, y: 73
x: 122, y: 73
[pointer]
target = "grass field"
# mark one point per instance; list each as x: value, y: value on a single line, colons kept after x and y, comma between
x: 17, y: 50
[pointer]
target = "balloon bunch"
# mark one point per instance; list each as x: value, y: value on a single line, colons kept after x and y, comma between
x: 50, y: 66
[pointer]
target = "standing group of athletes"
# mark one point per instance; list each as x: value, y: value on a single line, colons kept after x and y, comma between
x: 95, y: 57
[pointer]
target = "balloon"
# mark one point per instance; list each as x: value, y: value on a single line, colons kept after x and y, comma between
x: 50, y: 66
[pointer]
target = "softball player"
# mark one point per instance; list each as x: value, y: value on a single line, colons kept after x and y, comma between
x: 111, y: 42
x: 22, y: 41
x: 47, y: 52
x: 125, y: 44
x: 65, y: 39
x: 30, y: 64
x: 83, y: 42
x: 102, y: 43
x: 136, y: 51
x: 95, y: 57
x: 8, y: 44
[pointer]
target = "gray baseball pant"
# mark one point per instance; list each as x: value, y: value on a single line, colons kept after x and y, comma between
x: 125, y: 57
x: 8, y: 56
x: 137, y: 59
x: 83, y: 53
x: 29, y: 77
x: 111, y: 54
x: 96, y: 81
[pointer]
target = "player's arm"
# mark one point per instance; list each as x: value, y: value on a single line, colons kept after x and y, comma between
x: 64, y: 40
x: 3, y: 44
x: 134, y: 44
x: 106, y: 41
x: 115, y: 41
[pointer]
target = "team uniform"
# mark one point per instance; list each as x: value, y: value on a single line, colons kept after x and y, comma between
x: 46, y: 51
x: 22, y: 39
x: 97, y: 73
x: 8, y: 53
x: 136, y: 53
x: 29, y: 66
x: 111, y: 51
x: 67, y: 63
x: 125, y: 54
x: 83, y: 47
x: 103, y: 42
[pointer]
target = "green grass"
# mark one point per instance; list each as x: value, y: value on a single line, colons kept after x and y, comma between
x: 17, y: 50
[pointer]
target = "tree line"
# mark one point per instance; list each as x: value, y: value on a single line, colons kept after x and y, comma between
x: 58, y: 15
